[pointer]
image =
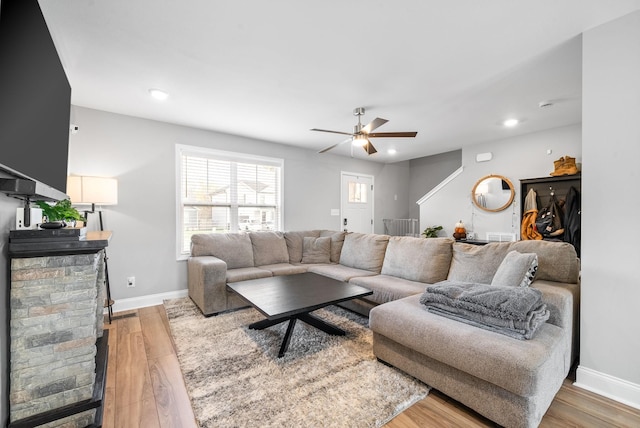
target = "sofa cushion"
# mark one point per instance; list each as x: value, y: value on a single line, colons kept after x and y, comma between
x: 557, y: 261
x: 294, y: 242
x: 418, y: 259
x: 284, y: 269
x: 269, y: 248
x: 316, y: 250
x: 244, y: 274
x: 388, y: 288
x: 364, y: 251
x: 476, y: 263
x: 232, y: 248
x: 337, y: 242
x: 516, y: 270
x: 339, y: 272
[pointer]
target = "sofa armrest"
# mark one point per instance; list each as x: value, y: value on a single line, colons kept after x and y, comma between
x: 207, y: 281
x: 563, y: 302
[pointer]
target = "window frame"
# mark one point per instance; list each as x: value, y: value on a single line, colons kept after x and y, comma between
x: 223, y: 155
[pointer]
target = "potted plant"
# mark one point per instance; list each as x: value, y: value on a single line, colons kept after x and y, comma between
x: 59, y: 214
x: 432, y: 232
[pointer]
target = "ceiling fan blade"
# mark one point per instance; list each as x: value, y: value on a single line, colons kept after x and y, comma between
x: 333, y: 132
x: 335, y: 145
x: 375, y: 123
x: 369, y: 148
x: 392, y: 134
x: 328, y: 148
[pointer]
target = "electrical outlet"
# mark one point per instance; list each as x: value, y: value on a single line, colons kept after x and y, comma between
x: 131, y: 281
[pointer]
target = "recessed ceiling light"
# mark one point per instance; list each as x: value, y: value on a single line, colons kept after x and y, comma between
x: 158, y: 94
x: 510, y: 123
x: 392, y: 151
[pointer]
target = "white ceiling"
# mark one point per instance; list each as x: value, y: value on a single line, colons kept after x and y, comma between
x: 271, y: 70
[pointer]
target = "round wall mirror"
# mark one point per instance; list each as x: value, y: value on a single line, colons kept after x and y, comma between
x: 493, y: 193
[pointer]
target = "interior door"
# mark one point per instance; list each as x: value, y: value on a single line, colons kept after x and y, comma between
x: 357, y: 203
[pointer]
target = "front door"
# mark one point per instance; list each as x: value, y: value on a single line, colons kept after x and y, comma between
x: 357, y: 202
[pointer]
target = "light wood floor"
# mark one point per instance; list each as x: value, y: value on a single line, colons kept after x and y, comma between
x: 145, y: 388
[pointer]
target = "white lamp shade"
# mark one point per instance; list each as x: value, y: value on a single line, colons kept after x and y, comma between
x: 84, y: 190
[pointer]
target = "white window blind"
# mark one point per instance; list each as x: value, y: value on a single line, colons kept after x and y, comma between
x: 226, y: 192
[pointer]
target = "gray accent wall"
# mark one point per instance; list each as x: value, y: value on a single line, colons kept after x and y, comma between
x: 140, y: 153
x: 610, y: 337
x: 426, y: 173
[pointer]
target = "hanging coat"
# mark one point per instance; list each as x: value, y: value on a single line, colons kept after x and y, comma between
x: 528, y: 229
x: 572, y: 214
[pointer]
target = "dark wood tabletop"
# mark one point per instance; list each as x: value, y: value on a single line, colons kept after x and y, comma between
x: 283, y: 296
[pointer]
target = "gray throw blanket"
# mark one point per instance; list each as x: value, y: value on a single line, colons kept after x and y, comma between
x: 514, y: 311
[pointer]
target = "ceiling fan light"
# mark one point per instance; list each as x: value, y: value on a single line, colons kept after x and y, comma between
x: 359, y: 140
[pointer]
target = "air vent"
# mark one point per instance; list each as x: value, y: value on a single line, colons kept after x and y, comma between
x: 500, y: 237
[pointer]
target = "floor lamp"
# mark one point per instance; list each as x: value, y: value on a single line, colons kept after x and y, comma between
x: 84, y: 190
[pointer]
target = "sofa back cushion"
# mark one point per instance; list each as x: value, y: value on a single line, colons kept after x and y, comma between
x: 557, y: 261
x: 295, y: 241
x: 337, y: 241
x: 476, y: 263
x: 232, y: 248
x: 316, y: 250
x: 269, y: 248
x: 418, y: 259
x: 364, y: 251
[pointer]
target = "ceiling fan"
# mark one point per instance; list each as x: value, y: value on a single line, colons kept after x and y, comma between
x: 361, y: 134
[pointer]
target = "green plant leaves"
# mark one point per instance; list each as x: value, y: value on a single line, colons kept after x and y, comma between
x: 432, y: 232
x: 62, y: 210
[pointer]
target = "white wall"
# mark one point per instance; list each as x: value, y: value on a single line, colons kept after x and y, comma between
x: 140, y: 154
x: 610, y: 338
x: 427, y: 172
x: 515, y: 158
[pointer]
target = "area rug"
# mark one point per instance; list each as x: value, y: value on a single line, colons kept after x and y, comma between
x: 235, y: 378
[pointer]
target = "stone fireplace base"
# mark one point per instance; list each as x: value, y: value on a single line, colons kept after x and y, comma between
x: 56, y: 336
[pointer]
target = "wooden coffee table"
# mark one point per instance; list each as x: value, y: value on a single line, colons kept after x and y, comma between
x: 293, y: 297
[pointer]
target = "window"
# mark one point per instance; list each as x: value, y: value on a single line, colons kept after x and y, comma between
x: 357, y: 193
x: 225, y: 192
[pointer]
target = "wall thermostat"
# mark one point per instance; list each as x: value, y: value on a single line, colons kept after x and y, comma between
x: 484, y: 157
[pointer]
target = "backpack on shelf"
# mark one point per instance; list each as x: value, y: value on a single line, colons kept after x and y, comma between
x: 549, y: 220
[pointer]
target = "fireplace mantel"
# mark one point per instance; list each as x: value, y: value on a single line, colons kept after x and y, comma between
x: 94, y: 242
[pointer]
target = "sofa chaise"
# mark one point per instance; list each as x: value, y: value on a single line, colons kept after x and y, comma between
x: 510, y: 381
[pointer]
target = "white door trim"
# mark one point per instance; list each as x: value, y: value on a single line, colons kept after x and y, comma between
x: 342, y: 208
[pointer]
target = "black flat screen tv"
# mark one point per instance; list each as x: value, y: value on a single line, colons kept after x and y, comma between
x: 35, y: 97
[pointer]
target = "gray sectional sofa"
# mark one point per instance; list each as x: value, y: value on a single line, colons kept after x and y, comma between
x: 510, y: 381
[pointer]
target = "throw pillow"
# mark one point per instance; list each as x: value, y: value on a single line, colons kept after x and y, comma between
x: 316, y: 250
x: 516, y: 270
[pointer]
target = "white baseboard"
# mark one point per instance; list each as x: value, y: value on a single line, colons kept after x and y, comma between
x: 608, y: 386
x: 146, y: 301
